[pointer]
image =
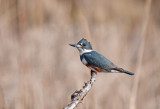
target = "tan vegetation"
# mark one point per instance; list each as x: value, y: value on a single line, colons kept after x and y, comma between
x: 39, y: 70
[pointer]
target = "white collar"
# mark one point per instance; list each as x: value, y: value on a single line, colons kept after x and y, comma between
x: 85, y: 51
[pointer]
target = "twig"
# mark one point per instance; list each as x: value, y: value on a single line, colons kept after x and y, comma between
x: 78, y: 96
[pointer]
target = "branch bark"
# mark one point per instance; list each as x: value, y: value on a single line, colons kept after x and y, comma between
x: 78, y: 96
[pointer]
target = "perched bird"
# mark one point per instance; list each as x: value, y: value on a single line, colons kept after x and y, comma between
x: 95, y: 61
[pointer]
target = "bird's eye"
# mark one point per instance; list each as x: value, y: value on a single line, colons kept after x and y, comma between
x: 83, y: 44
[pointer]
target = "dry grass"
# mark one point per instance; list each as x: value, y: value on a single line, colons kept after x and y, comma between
x: 39, y: 70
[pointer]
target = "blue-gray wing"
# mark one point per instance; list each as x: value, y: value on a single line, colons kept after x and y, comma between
x: 96, y: 59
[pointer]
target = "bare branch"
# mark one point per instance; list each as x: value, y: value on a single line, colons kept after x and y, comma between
x: 78, y: 96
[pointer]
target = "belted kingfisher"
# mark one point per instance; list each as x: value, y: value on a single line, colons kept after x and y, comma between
x: 95, y: 61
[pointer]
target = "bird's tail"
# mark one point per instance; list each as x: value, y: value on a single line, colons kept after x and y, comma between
x: 127, y: 72
x: 122, y: 71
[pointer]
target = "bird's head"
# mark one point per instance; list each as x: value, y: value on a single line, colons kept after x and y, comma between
x: 82, y: 45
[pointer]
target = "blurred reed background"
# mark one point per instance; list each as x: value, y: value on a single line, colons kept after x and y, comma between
x: 39, y: 70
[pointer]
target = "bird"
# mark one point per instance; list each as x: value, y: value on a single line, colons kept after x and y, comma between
x: 94, y: 60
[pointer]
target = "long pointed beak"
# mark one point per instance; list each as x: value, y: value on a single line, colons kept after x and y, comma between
x: 73, y: 45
